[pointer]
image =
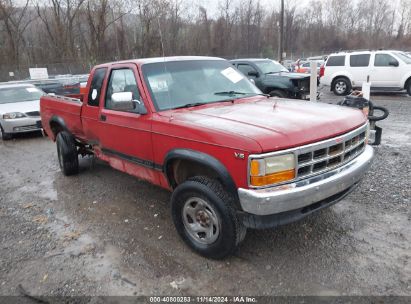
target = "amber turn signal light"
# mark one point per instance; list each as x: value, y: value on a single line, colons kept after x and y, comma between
x: 273, y: 178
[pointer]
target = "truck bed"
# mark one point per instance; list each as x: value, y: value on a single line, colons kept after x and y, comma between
x: 67, y: 109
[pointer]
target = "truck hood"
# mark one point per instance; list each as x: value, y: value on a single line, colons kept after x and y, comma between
x: 23, y: 107
x: 287, y: 75
x: 275, y: 124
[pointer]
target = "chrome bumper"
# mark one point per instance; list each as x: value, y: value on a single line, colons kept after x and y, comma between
x: 20, y: 125
x: 303, y: 193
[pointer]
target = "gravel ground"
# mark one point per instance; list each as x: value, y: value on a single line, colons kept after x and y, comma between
x: 103, y: 232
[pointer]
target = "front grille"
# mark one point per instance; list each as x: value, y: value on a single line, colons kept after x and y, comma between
x: 303, y: 84
x: 329, y: 154
x: 33, y: 114
x: 25, y: 128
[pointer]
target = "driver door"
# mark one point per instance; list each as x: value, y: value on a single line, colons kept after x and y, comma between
x: 385, y: 74
x: 126, y: 137
x: 247, y: 69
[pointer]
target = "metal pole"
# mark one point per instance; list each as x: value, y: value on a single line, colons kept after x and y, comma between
x: 281, y: 40
x: 313, y: 80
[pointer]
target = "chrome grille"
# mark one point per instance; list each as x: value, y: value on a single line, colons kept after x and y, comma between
x: 33, y: 114
x: 329, y: 154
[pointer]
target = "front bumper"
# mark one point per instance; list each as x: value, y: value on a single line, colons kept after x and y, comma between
x: 306, y: 192
x: 20, y: 125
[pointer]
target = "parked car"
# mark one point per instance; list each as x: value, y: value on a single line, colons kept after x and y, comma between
x: 233, y: 158
x: 386, y: 70
x: 66, y: 85
x: 306, y: 67
x: 274, y: 79
x: 19, y: 109
x: 289, y: 65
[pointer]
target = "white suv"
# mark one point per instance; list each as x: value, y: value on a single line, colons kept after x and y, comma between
x: 387, y: 70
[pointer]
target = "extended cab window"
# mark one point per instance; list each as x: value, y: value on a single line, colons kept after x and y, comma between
x: 336, y: 61
x: 121, y: 80
x: 95, y: 87
x: 246, y: 68
x: 362, y: 60
x: 383, y: 60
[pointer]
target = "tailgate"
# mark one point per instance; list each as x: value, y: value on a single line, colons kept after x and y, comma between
x: 63, y: 109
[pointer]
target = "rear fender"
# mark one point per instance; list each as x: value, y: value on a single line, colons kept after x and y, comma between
x: 57, y: 124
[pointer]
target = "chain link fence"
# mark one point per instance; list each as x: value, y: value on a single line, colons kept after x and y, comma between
x: 21, y: 72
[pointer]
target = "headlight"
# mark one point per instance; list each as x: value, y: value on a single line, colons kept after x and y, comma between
x: 272, y: 170
x: 13, y: 115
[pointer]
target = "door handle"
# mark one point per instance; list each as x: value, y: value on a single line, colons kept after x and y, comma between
x: 103, y: 117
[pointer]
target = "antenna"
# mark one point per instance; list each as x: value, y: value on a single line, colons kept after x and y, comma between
x: 161, y: 38
x: 164, y: 62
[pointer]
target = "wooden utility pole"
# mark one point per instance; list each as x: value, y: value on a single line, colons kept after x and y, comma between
x: 281, y: 37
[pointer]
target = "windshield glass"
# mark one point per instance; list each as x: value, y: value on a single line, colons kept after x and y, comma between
x: 180, y: 83
x: 404, y: 57
x: 270, y: 66
x: 19, y: 94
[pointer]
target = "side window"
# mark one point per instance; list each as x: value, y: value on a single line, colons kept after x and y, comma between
x: 362, y: 60
x: 245, y: 68
x: 95, y: 87
x: 383, y: 60
x: 121, y: 80
x: 336, y: 61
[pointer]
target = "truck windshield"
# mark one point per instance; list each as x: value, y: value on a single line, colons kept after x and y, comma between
x: 179, y: 84
x: 19, y: 94
x: 270, y: 66
x: 404, y: 57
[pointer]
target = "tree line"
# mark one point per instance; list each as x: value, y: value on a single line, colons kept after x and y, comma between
x: 92, y: 31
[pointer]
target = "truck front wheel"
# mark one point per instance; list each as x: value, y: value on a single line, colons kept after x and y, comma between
x: 278, y: 93
x: 4, y: 135
x: 408, y: 87
x: 205, y: 218
x: 67, y: 153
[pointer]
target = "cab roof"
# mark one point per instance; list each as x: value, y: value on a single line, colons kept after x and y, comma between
x: 142, y: 61
x: 6, y: 85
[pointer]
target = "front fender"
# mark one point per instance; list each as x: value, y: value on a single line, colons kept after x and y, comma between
x: 203, y: 159
x: 404, y: 79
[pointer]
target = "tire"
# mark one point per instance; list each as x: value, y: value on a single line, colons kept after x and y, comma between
x: 67, y: 153
x: 4, y: 135
x: 408, y: 87
x: 341, y: 86
x: 199, y: 202
x: 278, y: 93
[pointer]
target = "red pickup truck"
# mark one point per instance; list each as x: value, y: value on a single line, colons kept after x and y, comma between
x: 232, y: 157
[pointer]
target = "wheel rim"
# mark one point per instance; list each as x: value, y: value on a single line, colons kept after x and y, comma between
x: 201, y: 221
x: 340, y: 87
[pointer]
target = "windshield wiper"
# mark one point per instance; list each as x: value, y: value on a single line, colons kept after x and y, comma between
x: 230, y: 93
x: 189, y: 105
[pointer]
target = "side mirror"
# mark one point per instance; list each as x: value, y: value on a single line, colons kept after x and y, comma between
x: 393, y: 63
x: 253, y: 74
x: 123, y: 101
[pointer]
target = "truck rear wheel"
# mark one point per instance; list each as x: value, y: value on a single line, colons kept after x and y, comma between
x: 205, y: 218
x: 67, y: 153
